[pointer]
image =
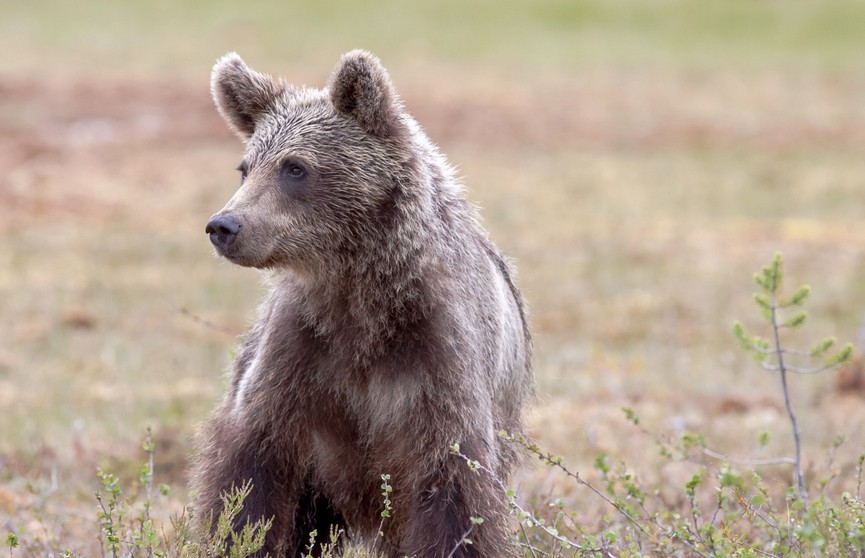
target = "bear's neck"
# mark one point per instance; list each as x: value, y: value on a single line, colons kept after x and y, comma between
x: 380, y: 288
x: 368, y: 307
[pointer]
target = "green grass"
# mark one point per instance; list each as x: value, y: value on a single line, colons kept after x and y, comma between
x: 509, y: 38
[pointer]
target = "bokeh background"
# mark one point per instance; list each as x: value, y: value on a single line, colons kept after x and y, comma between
x: 638, y: 160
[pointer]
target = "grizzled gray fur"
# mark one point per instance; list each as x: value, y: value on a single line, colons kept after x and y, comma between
x: 391, y: 331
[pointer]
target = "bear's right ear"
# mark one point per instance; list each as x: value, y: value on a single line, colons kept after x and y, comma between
x: 361, y: 88
x: 241, y: 94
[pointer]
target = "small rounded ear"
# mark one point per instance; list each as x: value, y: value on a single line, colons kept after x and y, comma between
x: 241, y: 94
x: 361, y: 88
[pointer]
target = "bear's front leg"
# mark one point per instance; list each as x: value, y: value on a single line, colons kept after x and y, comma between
x: 441, y: 513
x: 229, y: 458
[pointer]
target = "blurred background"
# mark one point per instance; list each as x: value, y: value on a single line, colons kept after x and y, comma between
x: 638, y: 160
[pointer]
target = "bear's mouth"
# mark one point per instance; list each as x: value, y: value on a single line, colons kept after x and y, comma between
x: 237, y: 255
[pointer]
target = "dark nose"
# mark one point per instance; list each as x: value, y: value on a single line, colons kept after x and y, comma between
x: 222, y: 230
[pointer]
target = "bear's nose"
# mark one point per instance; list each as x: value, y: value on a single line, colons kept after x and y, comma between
x: 222, y: 230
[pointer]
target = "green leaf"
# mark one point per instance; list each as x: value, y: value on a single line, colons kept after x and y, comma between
x: 692, y: 439
x: 739, y: 330
x: 770, y: 277
x: 692, y: 484
x: 820, y: 348
x: 748, y: 343
x: 776, y: 273
x: 798, y: 297
x: 796, y: 320
x: 763, y: 301
x: 730, y: 478
x: 841, y: 356
x: 11, y: 540
x: 759, y: 343
x: 751, y: 343
x: 601, y: 463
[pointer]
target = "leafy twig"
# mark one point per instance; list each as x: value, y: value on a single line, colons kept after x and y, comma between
x: 772, y: 305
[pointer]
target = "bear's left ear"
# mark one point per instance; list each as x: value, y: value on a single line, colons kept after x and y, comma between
x: 361, y: 88
x: 241, y: 94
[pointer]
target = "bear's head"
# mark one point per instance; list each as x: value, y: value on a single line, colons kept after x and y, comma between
x: 321, y: 167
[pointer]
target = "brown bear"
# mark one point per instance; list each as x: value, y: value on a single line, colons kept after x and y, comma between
x: 392, y: 328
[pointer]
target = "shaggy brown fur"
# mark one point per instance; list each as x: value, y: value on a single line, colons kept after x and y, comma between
x: 392, y: 329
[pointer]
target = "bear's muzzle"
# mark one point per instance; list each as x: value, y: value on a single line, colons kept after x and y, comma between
x: 222, y: 230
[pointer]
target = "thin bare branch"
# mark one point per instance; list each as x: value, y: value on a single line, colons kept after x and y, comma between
x: 806, y: 370
x: 205, y: 322
x: 513, y: 501
x: 750, y: 462
x: 576, y: 476
x: 782, y: 369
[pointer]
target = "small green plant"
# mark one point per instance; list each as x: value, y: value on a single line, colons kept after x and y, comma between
x: 118, y: 531
x: 785, y: 312
x: 386, y: 490
x: 127, y: 528
x: 11, y: 542
x: 224, y: 539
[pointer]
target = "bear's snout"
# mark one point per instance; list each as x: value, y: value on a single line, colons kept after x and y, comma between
x: 223, y: 231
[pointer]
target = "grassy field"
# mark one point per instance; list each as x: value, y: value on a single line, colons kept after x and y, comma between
x: 638, y: 160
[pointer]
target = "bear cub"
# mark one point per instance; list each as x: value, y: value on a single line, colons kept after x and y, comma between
x: 392, y: 328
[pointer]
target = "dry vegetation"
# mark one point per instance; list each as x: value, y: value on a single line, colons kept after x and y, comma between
x: 637, y: 171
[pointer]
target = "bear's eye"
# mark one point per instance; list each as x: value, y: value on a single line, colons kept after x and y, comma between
x: 244, y: 170
x: 293, y: 171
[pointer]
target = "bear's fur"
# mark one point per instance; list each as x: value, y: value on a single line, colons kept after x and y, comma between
x: 392, y: 328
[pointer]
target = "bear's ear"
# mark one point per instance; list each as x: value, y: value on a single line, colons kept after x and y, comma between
x: 241, y: 94
x: 361, y: 88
